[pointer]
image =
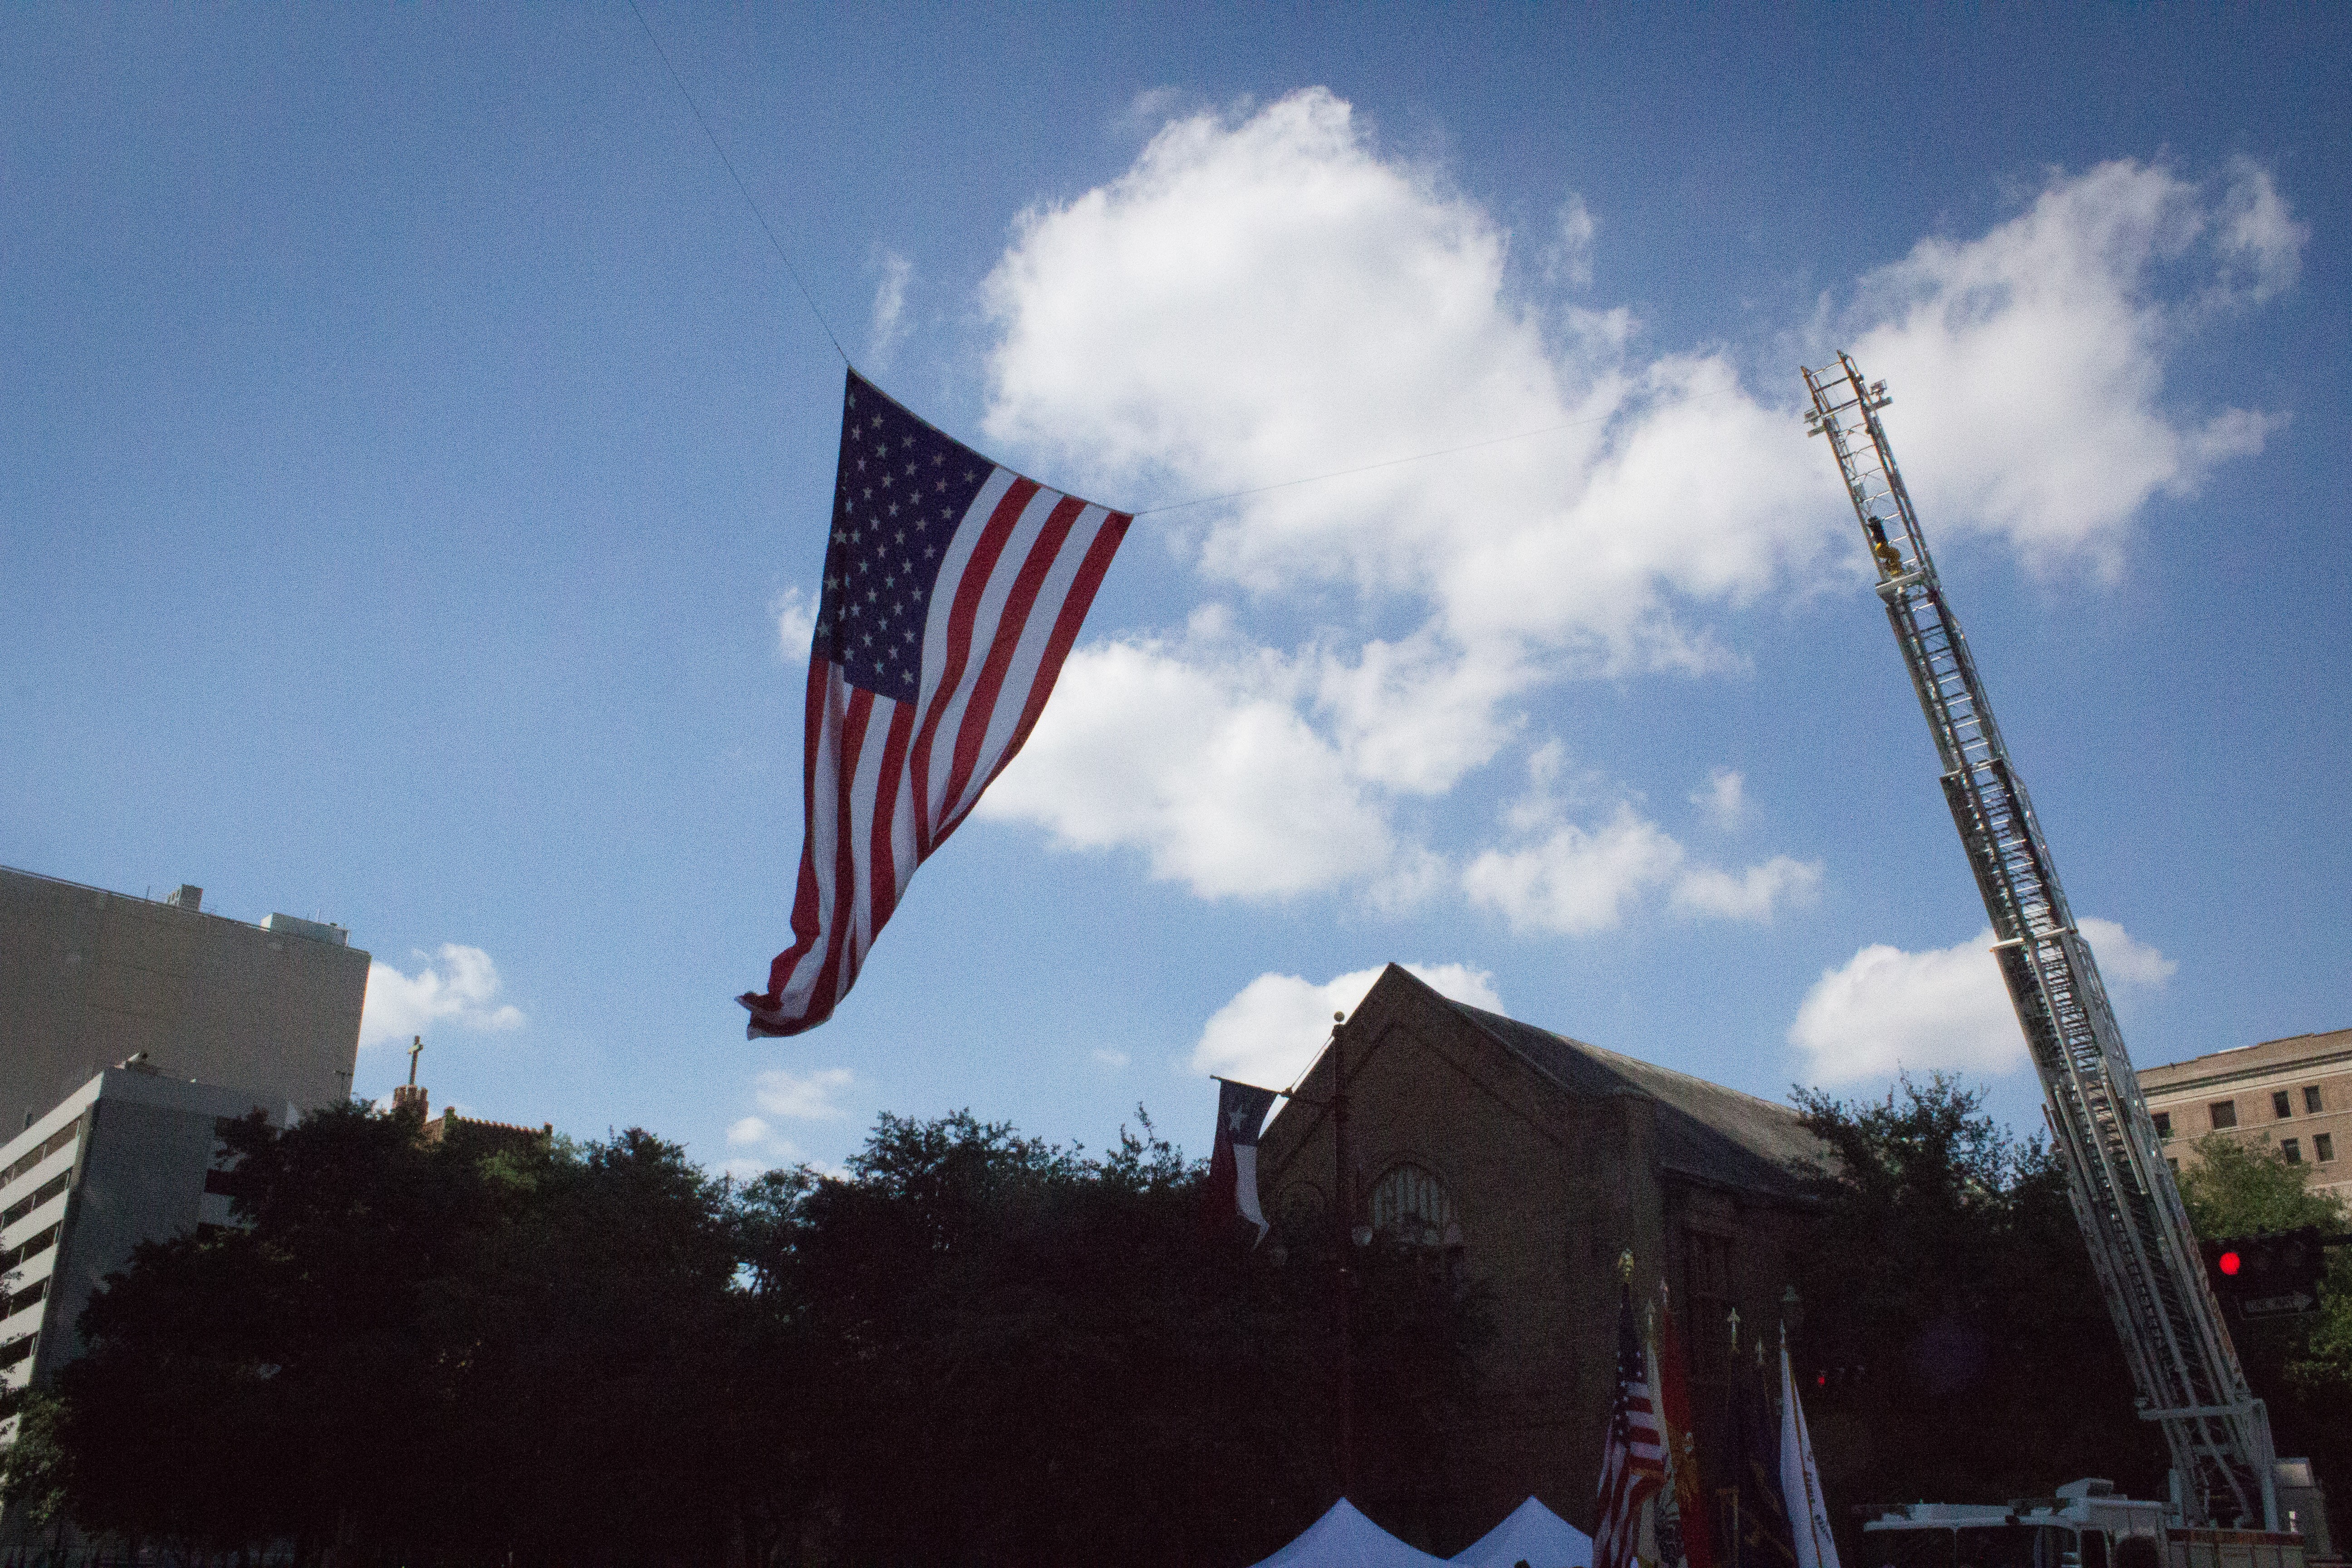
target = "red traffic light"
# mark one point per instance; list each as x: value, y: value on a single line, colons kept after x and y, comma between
x: 2229, y: 1263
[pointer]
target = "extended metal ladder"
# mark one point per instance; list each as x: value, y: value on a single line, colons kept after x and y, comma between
x: 2182, y: 1361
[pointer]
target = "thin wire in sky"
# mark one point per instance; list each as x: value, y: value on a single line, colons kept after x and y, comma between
x: 1415, y: 457
x: 716, y: 146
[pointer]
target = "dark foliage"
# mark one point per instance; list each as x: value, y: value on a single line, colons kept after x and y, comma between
x: 1955, y: 1345
x: 2300, y: 1367
x: 974, y: 1349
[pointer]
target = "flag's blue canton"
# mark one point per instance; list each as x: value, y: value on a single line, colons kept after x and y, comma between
x: 901, y: 491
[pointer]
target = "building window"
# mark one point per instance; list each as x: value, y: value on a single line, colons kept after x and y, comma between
x: 2323, y: 1147
x: 2281, y: 1106
x: 1412, y: 1205
x: 2224, y: 1113
x: 2311, y: 1099
x: 2291, y: 1150
x: 2164, y: 1125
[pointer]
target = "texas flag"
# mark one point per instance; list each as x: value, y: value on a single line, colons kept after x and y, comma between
x: 1233, y: 1168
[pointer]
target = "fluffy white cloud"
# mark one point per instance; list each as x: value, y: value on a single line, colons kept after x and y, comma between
x: 889, y: 326
x: 1263, y: 296
x: 1723, y: 798
x: 755, y: 1144
x: 802, y: 1096
x: 1889, y: 1011
x: 1575, y: 881
x: 1270, y: 1032
x: 2028, y: 365
x: 1750, y: 895
x: 456, y: 984
x: 795, y: 616
x: 1196, y: 755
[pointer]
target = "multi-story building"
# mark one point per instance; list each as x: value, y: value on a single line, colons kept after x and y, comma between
x: 89, y: 977
x: 130, y: 1156
x: 2292, y: 1096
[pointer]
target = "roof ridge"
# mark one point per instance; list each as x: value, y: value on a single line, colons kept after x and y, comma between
x: 1613, y: 1057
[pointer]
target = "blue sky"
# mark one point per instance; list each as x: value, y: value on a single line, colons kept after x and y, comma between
x: 414, y: 460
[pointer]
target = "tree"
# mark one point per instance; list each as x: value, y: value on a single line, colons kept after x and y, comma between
x: 1957, y: 1342
x: 1022, y: 1355
x: 2300, y: 1367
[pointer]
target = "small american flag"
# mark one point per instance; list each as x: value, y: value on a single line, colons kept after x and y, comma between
x: 953, y: 589
x: 1632, y: 1457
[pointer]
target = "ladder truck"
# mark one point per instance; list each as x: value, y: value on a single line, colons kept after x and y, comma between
x: 2184, y: 1368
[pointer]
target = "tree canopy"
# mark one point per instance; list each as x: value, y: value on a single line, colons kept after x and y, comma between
x: 1954, y: 1335
x: 972, y: 1347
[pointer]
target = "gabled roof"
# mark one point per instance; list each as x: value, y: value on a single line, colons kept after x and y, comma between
x: 1706, y: 1133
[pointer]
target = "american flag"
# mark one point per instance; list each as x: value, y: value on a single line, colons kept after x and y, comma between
x: 1632, y: 1457
x: 953, y: 589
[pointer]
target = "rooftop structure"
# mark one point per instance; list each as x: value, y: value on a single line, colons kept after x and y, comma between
x: 89, y: 977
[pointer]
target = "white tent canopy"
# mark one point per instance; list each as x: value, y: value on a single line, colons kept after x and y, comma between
x: 1346, y: 1538
x: 1534, y: 1535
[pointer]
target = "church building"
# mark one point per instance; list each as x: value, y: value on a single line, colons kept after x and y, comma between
x: 1537, y: 1161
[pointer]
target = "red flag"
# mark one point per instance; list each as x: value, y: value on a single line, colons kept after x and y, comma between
x: 953, y: 589
x: 1681, y: 1443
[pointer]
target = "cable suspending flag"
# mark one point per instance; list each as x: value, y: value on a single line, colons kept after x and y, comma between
x: 953, y: 589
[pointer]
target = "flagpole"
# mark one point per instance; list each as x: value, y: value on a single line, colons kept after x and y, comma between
x: 1344, y: 1207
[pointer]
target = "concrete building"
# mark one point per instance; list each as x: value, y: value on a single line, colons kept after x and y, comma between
x: 89, y: 977
x: 126, y: 1158
x: 2292, y: 1096
x: 1537, y: 1160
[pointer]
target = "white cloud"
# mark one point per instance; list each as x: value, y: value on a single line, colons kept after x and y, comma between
x: 1270, y: 1031
x: 1265, y: 295
x: 1110, y: 1058
x: 889, y: 327
x: 795, y: 617
x: 1724, y: 797
x: 750, y: 1130
x: 1889, y: 1011
x: 2029, y: 364
x: 1196, y: 755
x: 1571, y: 258
x: 802, y: 1096
x: 1750, y: 895
x: 1576, y: 880
x: 457, y: 986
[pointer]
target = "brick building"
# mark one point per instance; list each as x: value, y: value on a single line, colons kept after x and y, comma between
x: 1541, y: 1159
x: 2293, y: 1096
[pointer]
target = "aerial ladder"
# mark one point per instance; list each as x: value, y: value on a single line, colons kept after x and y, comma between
x: 2184, y: 1368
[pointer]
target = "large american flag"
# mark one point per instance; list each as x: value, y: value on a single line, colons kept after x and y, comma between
x: 953, y: 589
x: 1632, y: 1457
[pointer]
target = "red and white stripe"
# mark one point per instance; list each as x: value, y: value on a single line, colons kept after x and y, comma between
x: 1632, y: 1471
x: 886, y: 781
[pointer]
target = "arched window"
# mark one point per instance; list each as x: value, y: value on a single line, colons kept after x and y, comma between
x: 1412, y: 1205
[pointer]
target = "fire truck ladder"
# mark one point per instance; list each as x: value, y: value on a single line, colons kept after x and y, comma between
x: 2183, y: 1365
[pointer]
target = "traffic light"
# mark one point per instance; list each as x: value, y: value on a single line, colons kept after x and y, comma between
x: 2270, y: 1276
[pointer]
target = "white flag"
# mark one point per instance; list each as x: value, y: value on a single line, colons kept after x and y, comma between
x: 1800, y: 1479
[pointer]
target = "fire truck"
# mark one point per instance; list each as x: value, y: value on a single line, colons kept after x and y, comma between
x: 2233, y: 1502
